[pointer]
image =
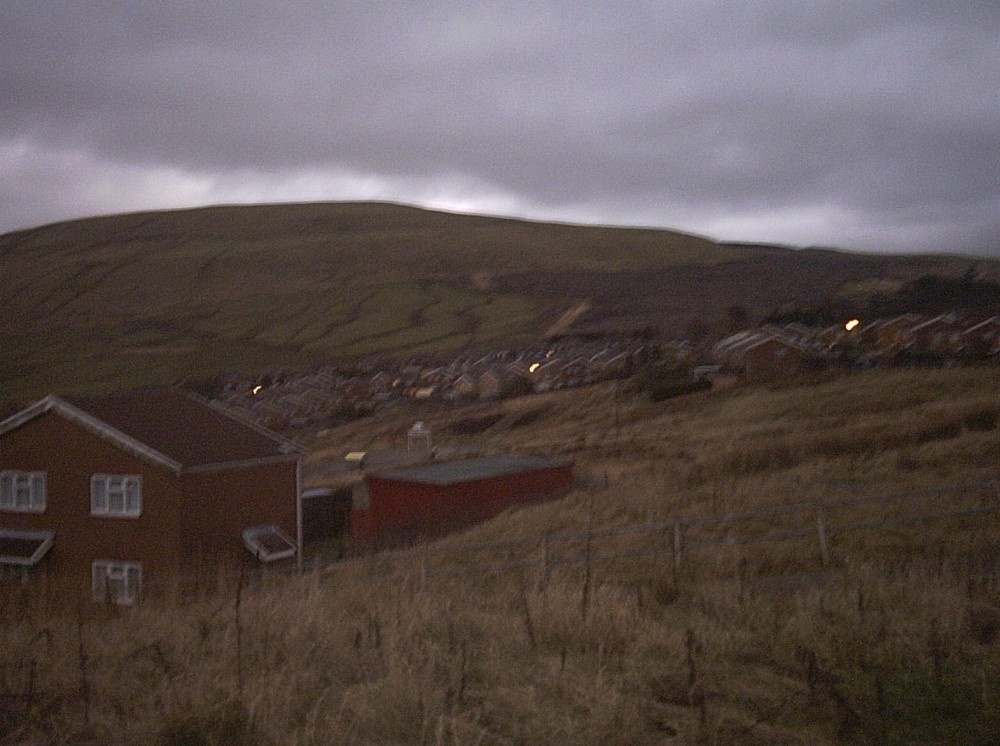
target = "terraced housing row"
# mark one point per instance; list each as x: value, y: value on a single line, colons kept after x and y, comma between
x: 328, y: 395
x: 773, y: 350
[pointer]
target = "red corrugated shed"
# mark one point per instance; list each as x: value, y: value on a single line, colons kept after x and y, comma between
x: 405, y: 504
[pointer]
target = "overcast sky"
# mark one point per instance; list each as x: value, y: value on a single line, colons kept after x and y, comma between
x: 865, y: 125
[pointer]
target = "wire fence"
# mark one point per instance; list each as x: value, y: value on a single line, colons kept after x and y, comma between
x: 821, y: 522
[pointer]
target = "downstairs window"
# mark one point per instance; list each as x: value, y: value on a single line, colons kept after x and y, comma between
x: 117, y: 582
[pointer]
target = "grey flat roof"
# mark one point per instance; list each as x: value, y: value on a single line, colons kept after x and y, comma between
x: 470, y: 470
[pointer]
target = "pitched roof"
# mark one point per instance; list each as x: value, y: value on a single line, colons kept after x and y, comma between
x: 167, y: 426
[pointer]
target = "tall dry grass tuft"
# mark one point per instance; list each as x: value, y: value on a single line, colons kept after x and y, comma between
x: 903, y: 653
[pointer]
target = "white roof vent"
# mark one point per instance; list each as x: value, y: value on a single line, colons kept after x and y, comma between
x: 419, y: 438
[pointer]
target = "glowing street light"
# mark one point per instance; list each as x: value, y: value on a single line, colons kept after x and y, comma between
x: 852, y: 324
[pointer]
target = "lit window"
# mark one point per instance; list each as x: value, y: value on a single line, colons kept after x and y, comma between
x: 22, y: 491
x: 116, y: 582
x: 116, y: 494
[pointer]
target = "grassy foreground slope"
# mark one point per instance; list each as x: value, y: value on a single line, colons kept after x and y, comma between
x: 897, y: 641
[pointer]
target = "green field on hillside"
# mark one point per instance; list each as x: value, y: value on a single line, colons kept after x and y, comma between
x: 126, y: 300
x: 146, y: 298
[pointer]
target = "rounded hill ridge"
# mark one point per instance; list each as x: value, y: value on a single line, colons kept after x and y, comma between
x: 114, y: 302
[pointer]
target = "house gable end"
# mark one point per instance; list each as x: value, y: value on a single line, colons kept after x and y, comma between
x: 55, y: 405
x: 171, y: 429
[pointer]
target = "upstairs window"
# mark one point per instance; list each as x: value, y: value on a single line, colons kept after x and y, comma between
x: 116, y: 495
x: 116, y: 582
x: 22, y: 491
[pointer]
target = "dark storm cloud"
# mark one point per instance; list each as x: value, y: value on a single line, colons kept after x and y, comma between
x: 872, y: 126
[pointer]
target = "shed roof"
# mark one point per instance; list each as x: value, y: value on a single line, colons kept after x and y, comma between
x: 470, y: 470
x: 167, y: 426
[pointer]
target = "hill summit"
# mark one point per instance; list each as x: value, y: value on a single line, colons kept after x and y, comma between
x: 113, y: 302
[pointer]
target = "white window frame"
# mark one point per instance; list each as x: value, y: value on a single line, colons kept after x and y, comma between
x: 116, y: 581
x: 118, y: 495
x: 22, y: 491
x: 254, y: 540
x: 42, y: 543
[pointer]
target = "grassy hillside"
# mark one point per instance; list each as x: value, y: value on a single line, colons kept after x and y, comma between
x: 114, y: 302
x: 896, y: 641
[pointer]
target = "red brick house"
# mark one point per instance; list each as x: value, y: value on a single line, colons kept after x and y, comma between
x: 148, y: 490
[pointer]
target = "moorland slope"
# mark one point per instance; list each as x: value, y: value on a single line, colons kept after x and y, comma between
x: 113, y: 302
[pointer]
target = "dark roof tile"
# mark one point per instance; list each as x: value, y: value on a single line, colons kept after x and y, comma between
x: 189, y: 431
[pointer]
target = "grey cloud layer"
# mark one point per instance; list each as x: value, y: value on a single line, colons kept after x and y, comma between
x: 702, y: 111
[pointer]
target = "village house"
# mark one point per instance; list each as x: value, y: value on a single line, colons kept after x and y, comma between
x: 759, y: 354
x: 886, y: 337
x: 116, y: 497
x: 981, y: 340
x: 490, y: 384
x: 464, y: 387
x: 938, y: 335
x: 770, y: 358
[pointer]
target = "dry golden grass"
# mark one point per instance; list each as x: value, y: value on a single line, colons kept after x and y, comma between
x: 897, y: 641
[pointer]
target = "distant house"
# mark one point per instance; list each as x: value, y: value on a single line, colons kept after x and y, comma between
x: 404, y: 504
x: 770, y: 358
x: 113, y: 497
x: 759, y: 354
x: 382, y: 381
x: 464, y: 387
x: 490, y: 384
x: 725, y: 352
x: 939, y: 335
x: 981, y: 340
x: 887, y: 337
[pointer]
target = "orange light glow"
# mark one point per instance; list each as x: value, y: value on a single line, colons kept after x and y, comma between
x: 851, y: 325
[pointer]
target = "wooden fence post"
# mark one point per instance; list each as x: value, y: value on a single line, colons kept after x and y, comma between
x: 677, y: 545
x: 824, y: 549
x: 543, y: 575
